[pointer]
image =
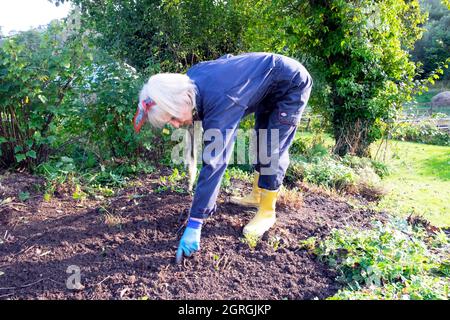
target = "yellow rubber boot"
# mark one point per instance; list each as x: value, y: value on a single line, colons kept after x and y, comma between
x: 265, y: 217
x: 252, y: 199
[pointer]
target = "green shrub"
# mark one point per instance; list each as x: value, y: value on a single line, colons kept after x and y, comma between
x: 424, y: 131
x: 325, y: 171
x: 380, y: 168
x: 311, y: 162
x: 309, y: 147
x: 59, y: 95
x: 330, y: 173
x: 100, y: 110
x: 299, y: 147
x: 38, y: 70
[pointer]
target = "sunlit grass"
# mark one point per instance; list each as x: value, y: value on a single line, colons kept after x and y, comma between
x: 419, y: 182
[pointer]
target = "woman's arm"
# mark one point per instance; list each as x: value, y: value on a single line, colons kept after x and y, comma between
x: 220, y: 128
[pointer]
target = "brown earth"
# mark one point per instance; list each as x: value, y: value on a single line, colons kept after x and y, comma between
x: 124, y: 246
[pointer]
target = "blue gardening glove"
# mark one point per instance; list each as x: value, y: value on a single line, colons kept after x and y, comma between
x: 190, y: 241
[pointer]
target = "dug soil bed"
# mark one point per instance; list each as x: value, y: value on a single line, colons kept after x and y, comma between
x: 124, y: 246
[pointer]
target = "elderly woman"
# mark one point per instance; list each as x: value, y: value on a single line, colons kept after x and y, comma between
x: 220, y: 93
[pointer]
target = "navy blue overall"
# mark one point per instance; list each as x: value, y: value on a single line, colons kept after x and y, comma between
x: 274, y: 87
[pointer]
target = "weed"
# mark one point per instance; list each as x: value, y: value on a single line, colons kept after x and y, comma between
x: 78, y: 194
x: 275, y: 242
x: 389, y: 261
x: 172, y: 182
x: 113, y: 221
x: 216, y: 261
x: 290, y: 198
x: 308, y: 244
x: 110, y: 219
x: 250, y: 240
x: 24, y: 196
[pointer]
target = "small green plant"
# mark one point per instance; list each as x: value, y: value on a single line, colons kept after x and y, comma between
x: 78, y: 193
x: 308, y: 244
x: 57, y: 172
x: 226, y: 180
x: 275, y: 242
x: 172, y: 182
x: 389, y: 261
x: 251, y: 240
x: 216, y: 261
x: 381, y: 169
x: 24, y: 196
x: 444, y: 268
x: 106, y: 192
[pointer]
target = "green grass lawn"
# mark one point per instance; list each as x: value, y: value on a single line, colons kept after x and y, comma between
x: 420, y: 181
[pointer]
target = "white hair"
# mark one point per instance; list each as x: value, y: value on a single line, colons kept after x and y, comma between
x: 172, y: 93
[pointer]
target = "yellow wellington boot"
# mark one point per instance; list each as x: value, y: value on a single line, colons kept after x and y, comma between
x: 265, y: 217
x: 252, y: 199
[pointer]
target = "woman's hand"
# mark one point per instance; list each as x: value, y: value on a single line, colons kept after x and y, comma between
x: 190, y: 241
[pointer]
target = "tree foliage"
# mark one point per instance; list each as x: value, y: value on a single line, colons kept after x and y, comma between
x: 59, y: 93
x: 167, y: 35
x: 37, y: 70
x: 358, y: 52
x: 100, y: 107
x: 56, y: 87
x: 434, y: 47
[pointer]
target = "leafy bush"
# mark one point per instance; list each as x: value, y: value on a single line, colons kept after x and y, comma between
x: 424, y: 131
x: 390, y: 261
x: 60, y: 96
x: 325, y: 172
x: 362, y: 78
x: 168, y: 34
x: 100, y: 111
x: 37, y: 71
x: 309, y: 148
x: 313, y: 163
x: 330, y: 173
x: 64, y: 176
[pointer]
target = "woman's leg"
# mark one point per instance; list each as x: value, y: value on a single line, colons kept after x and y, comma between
x: 253, y: 198
x: 281, y: 130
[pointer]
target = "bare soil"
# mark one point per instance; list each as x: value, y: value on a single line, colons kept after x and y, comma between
x: 124, y: 246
